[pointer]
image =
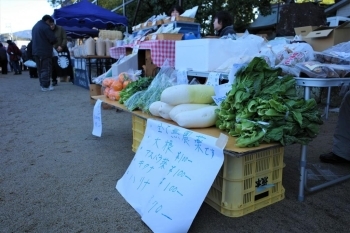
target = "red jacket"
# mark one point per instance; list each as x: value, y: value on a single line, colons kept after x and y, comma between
x: 14, y: 52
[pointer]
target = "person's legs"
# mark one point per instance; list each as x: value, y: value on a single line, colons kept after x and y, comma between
x: 341, y: 138
x: 31, y: 72
x: 54, y: 71
x: 15, y: 65
x: 44, y: 66
x: 4, y: 67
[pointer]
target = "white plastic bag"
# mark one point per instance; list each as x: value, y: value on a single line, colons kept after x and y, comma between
x: 30, y: 63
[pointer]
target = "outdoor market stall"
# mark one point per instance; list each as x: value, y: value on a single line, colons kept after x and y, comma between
x: 254, y: 145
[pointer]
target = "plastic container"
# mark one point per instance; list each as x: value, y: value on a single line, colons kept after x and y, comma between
x: 248, y: 183
x: 187, y: 27
x: 138, y: 130
x: 234, y: 192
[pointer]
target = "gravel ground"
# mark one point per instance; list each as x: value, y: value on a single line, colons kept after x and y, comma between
x: 56, y: 177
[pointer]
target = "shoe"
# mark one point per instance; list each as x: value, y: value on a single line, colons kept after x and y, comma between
x: 16, y: 73
x: 50, y: 88
x: 332, y: 158
x: 54, y: 82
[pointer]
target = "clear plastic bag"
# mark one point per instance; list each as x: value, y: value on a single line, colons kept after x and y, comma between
x: 165, y: 78
x: 132, y: 103
x: 315, y: 69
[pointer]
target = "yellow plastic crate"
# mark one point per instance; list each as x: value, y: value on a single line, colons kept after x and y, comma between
x: 248, y: 183
x: 138, y: 130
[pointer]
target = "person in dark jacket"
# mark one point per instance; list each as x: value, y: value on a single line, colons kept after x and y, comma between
x: 3, y: 59
x: 33, y: 72
x: 15, y: 56
x: 341, y: 138
x: 223, y: 24
x: 43, y: 39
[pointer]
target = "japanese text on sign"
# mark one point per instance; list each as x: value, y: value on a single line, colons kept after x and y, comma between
x: 170, y: 175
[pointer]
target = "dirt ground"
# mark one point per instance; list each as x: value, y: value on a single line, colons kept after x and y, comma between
x: 56, y: 177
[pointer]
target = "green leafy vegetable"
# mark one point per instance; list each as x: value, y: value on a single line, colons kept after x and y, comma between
x: 263, y: 107
x: 141, y: 84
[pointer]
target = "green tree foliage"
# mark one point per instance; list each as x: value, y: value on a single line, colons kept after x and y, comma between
x: 56, y: 3
x: 242, y: 11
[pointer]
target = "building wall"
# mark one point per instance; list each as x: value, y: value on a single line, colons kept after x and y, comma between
x: 344, y: 11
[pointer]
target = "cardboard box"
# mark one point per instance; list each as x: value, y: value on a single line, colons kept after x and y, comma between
x: 324, y: 37
x: 95, y: 89
x: 165, y: 36
x: 303, y: 31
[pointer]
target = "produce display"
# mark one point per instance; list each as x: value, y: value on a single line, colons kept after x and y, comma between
x: 143, y: 99
x: 141, y: 84
x: 260, y: 107
x: 187, y: 105
x: 263, y: 107
x: 113, y: 86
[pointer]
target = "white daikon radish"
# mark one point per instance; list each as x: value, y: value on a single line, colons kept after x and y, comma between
x: 199, y: 118
x: 188, y: 94
x: 154, y: 108
x: 164, y: 110
x: 185, y: 107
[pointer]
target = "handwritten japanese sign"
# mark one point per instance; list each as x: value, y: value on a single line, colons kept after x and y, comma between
x: 97, y: 119
x: 170, y: 176
x: 213, y: 79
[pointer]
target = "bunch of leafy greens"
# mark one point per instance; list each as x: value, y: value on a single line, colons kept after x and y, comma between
x: 263, y: 107
x: 143, y: 99
x: 141, y: 84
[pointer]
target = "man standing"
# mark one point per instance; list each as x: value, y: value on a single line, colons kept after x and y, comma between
x: 15, y: 56
x: 43, y: 39
x: 59, y: 62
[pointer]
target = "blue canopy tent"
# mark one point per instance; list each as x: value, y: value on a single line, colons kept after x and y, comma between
x: 79, y: 32
x: 87, y: 14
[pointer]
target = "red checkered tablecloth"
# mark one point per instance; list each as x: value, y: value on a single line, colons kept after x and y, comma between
x: 160, y: 51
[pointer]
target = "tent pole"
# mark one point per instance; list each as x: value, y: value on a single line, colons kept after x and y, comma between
x: 136, y: 11
x: 124, y: 7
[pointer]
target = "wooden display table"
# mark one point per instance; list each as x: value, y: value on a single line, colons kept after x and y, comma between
x: 230, y: 147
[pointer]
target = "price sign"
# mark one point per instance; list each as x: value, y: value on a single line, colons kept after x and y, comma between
x: 97, y: 120
x: 135, y: 49
x: 170, y: 175
x: 220, y: 92
x: 213, y: 79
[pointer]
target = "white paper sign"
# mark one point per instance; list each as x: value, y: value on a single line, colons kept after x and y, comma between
x: 170, y: 176
x: 213, y: 79
x: 135, y: 49
x: 221, y: 92
x: 97, y: 119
